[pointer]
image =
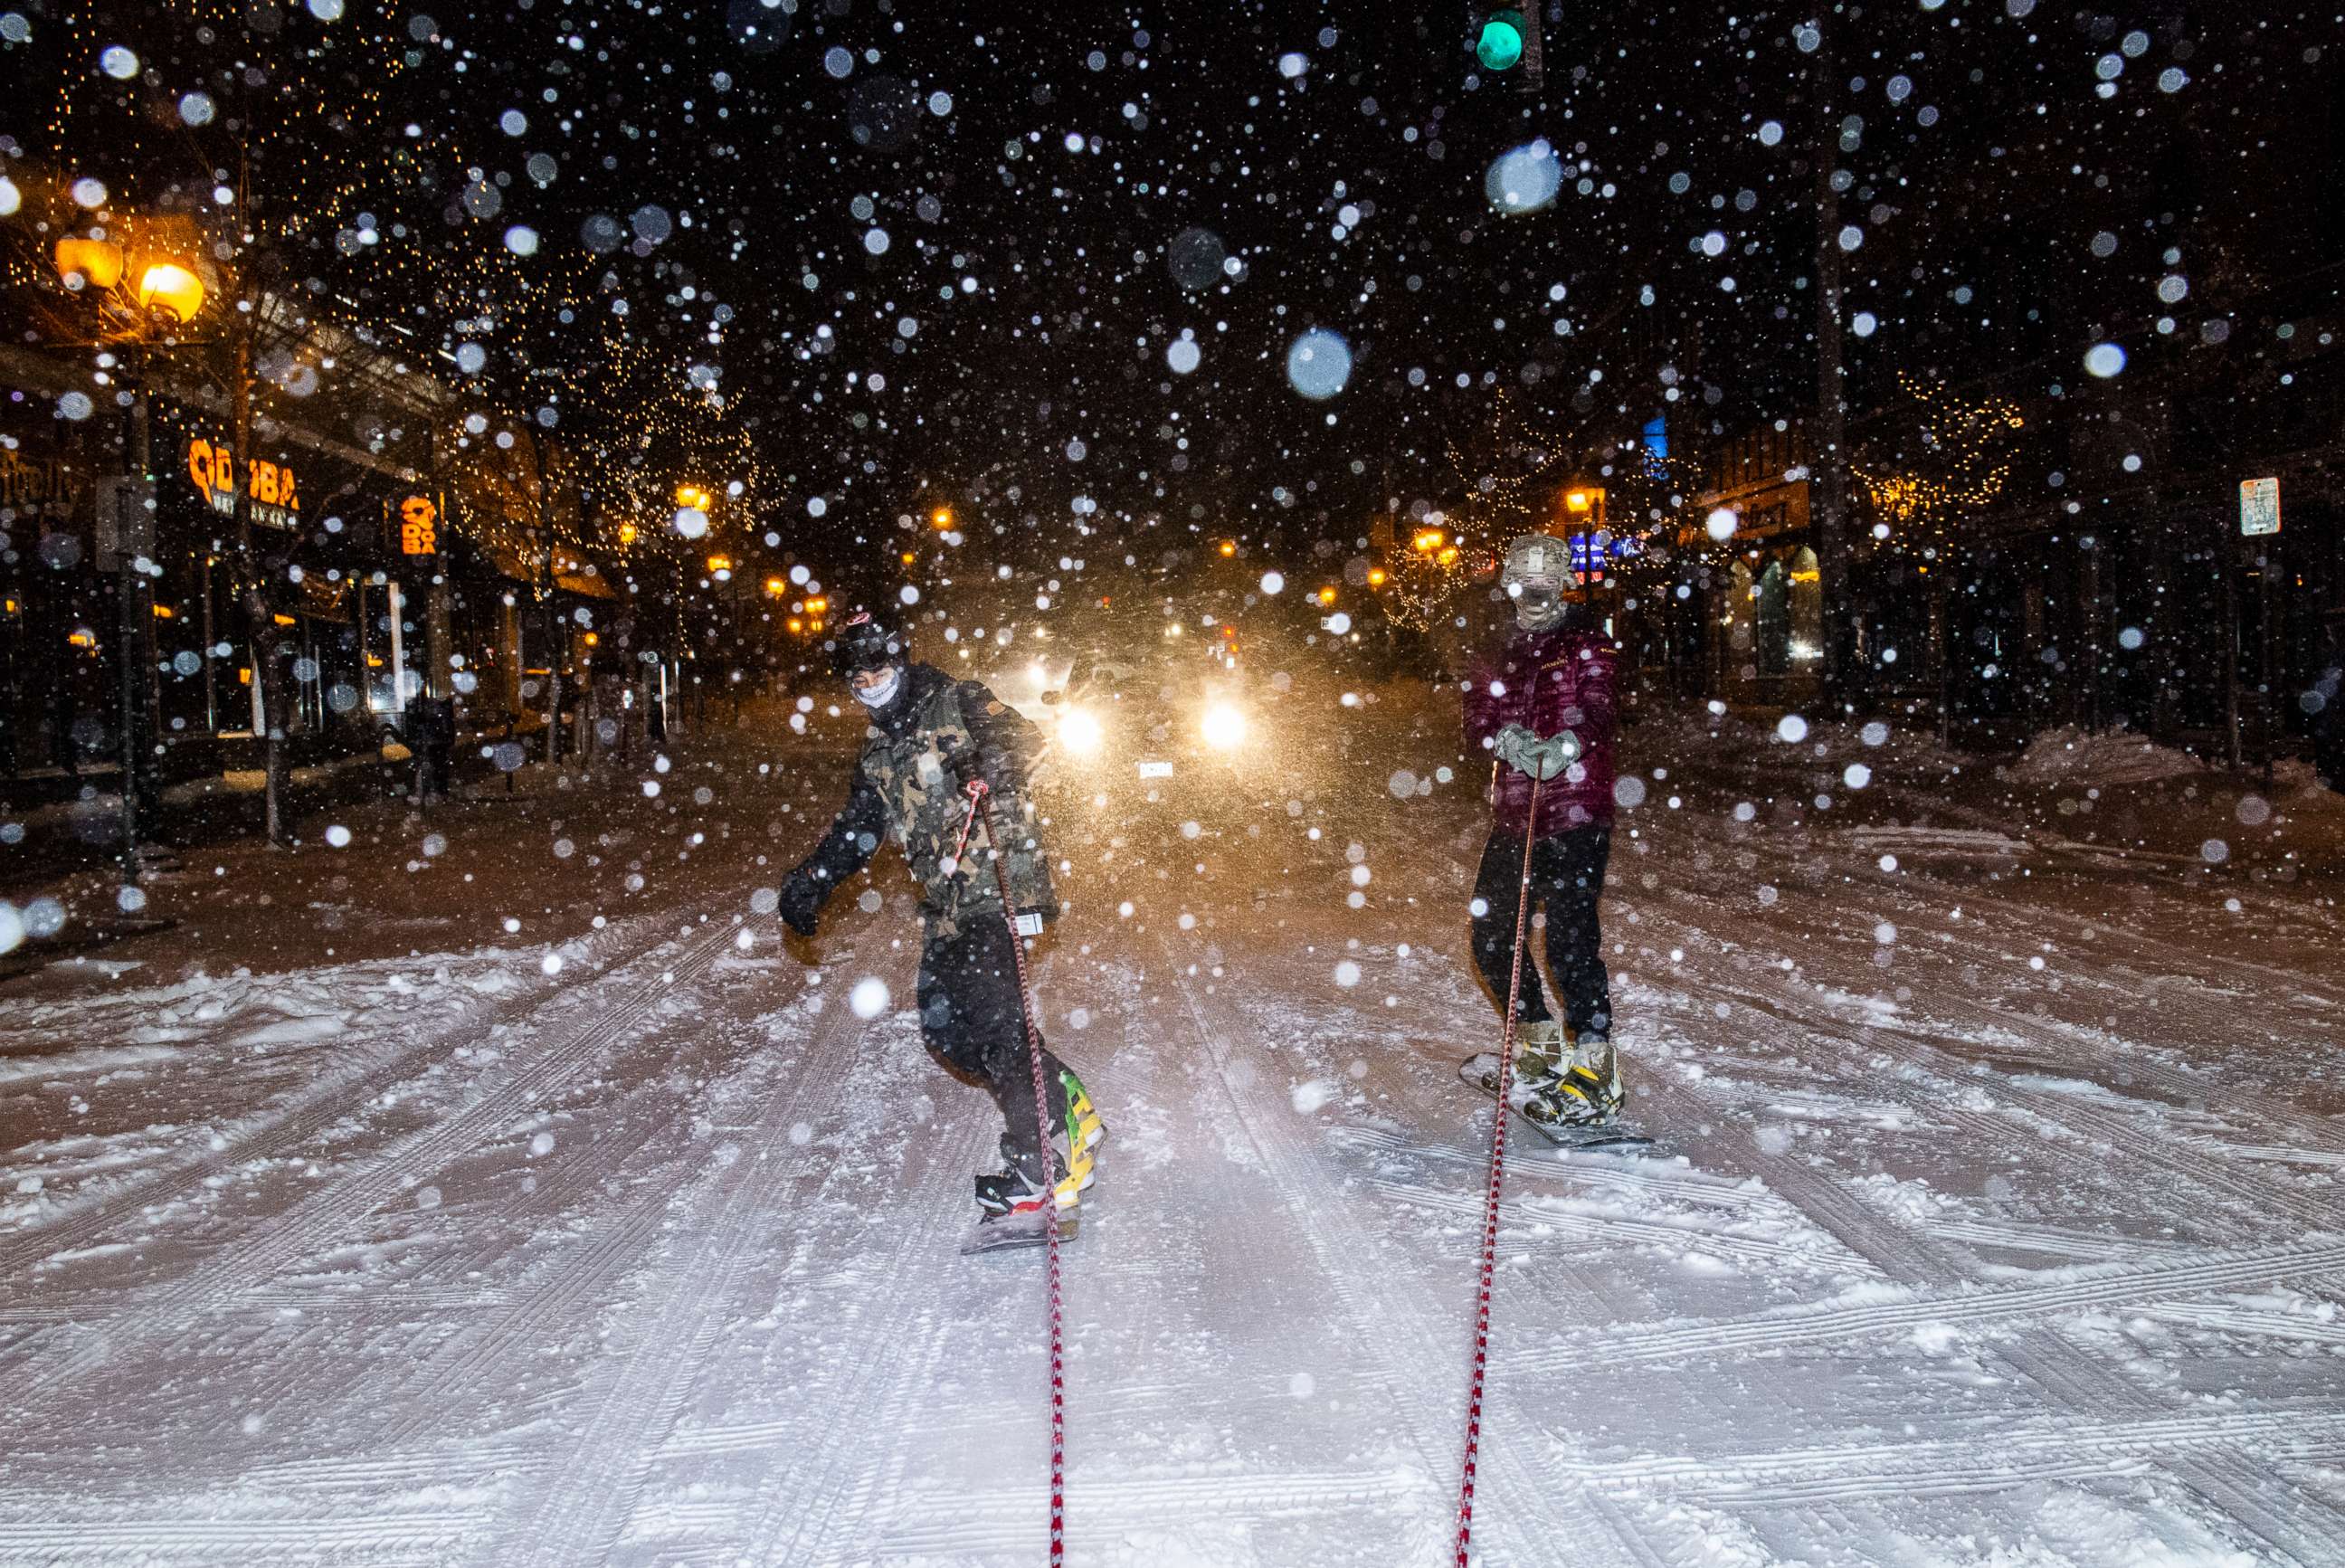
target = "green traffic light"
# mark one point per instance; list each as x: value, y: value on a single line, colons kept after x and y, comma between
x: 1501, y: 43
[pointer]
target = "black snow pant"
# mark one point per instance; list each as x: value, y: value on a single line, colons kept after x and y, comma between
x: 972, y: 1021
x: 1566, y: 881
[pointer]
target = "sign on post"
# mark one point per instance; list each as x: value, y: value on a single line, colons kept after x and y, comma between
x: 2258, y: 507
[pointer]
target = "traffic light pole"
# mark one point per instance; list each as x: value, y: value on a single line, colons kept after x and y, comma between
x: 1827, y: 454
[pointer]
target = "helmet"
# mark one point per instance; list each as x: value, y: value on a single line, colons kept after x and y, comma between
x: 864, y: 642
x: 1537, y: 561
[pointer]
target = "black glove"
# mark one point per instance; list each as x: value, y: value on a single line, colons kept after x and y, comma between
x: 967, y: 765
x: 801, y: 903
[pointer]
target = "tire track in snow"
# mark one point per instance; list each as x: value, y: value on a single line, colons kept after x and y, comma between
x: 1376, y: 1309
x: 384, y: 1540
x: 493, y: 1323
x: 573, y: 1275
x: 1861, y: 866
x: 597, y: 1487
x: 418, y: 1467
x: 1623, y: 1230
x: 2098, y: 1287
x: 954, y: 1528
x: 2065, y: 1370
x: 2027, y: 1452
x: 82, y: 1222
x: 853, y: 1497
x: 2225, y: 1318
x: 2292, y: 1522
x: 831, y: 1494
x: 493, y: 1327
x: 478, y: 1349
x: 1808, y: 1023
x: 2059, y: 1241
x: 1645, y: 1179
x: 2311, y: 1128
x: 2322, y: 1141
x: 2295, y: 1525
x: 328, y: 1214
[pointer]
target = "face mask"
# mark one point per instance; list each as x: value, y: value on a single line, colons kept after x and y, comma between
x: 879, y: 696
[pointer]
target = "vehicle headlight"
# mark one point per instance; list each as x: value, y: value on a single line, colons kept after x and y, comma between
x: 1079, y: 732
x: 1225, y: 725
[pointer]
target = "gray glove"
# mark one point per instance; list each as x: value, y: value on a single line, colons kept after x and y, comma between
x: 1542, y: 758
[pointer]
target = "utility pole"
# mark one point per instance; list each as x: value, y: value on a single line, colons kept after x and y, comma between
x: 270, y: 698
x: 133, y: 531
x: 548, y: 597
x: 1828, y: 451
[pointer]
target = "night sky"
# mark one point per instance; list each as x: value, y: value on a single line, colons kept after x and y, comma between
x: 1010, y: 216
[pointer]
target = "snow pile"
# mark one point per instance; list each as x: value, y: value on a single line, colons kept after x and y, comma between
x: 2070, y: 755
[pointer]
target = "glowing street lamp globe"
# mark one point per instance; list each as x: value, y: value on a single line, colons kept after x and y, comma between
x: 98, y: 262
x: 171, y: 289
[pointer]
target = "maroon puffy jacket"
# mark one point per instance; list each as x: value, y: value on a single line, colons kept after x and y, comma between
x: 1552, y: 681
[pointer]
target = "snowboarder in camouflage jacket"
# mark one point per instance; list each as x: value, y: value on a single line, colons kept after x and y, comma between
x: 931, y: 737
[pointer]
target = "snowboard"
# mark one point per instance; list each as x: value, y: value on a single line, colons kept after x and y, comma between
x: 1482, y: 1072
x: 1015, y: 1232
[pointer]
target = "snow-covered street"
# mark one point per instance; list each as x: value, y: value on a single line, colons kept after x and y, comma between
x: 1993, y: 1218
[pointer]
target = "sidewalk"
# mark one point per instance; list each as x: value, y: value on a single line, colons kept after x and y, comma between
x: 369, y: 870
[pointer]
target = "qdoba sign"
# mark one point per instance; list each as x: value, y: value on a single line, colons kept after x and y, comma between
x: 275, y: 495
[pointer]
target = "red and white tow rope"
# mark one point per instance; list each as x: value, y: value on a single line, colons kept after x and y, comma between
x: 1490, y: 1199
x: 977, y: 793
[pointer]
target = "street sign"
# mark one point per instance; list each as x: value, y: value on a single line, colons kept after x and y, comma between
x: 2258, y: 507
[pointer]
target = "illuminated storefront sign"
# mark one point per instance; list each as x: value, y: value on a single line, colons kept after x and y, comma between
x: 419, y: 525
x: 39, y: 482
x: 275, y: 498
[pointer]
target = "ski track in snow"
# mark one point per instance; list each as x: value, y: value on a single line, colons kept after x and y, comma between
x: 2275, y: 1511
x: 215, y: 1281
x: 2002, y: 1271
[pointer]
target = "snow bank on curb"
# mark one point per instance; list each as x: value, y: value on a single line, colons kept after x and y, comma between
x: 2070, y: 755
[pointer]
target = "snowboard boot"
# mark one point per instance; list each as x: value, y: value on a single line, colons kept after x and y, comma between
x: 1540, y: 1055
x: 1023, y: 1185
x: 1540, y: 1064
x: 1586, y: 1092
x: 1084, y: 1126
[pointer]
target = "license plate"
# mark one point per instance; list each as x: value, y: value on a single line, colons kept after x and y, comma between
x: 1156, y: 770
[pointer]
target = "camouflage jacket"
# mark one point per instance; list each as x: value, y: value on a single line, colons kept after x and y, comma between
x: 907, y: 789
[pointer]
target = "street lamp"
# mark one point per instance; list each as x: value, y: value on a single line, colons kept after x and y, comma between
x: 171, y: 289
x: 167, y: 294
x: 164, y: 296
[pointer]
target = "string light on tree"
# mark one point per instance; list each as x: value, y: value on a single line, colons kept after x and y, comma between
x: 1942, y: 455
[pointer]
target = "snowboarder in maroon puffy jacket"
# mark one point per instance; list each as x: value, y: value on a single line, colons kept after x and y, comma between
x: 1540, y: 704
